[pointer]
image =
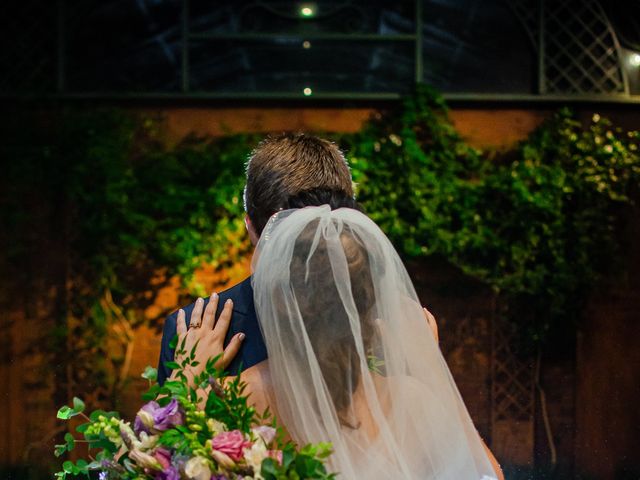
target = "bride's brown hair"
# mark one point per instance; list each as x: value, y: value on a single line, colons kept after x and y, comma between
x: 324, y: 315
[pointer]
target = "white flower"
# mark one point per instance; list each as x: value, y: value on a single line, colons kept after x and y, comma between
x: 223, y: 459
x: 216, y: 427
x: 144, y: 443
x: 266, y: 433
x: 145, y: 460
x: 147, y: 442
x: 146, y: 418
x: 254, y: 457
x: 127, y: 436
x: 197, y: 468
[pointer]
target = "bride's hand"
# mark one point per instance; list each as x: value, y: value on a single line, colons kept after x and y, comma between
x: 431, y: 321
x: 207, y: 335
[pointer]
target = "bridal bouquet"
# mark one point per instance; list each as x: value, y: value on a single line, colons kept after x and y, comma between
x: 202, y: 432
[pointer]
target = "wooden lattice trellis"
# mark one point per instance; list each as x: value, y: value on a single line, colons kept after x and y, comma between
x: 512, y: 398
x: 581, y: 52
x: 577, y: 47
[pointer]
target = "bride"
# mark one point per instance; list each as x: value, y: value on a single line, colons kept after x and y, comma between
x: 352, y: 360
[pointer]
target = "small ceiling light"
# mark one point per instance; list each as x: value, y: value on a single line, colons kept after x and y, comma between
x: 634, y: 59
x: 307, y: 91
x: 307, y: 10
x: 306, y: 44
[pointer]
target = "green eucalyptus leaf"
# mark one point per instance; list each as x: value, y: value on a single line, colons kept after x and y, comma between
x: 68, y: 466
x: 66, y: 412
x: 78, y: 405
x: 71, y: 442
x: 269, y: 468
x: 172, y: 365
x: 60, y: 450
x: 93, y: 416
x: 82, y: 427
x: 82, y: 466
x: 152, y: 393
x: 150, y: 373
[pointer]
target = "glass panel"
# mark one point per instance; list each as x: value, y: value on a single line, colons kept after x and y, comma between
x: 476, y: 46
x: 28, y: 35
x: 293, y: 17
x: 115, y: 46
x: 290, y: 65
x: 254, y: 47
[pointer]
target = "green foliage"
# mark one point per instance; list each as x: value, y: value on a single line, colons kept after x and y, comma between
x: 143, y: 204
x: 537, y: 223
x: 130, y: 213
x: 70, y: 468
x: 412, y: 168
x: 308, y: 463
x: 552, y: 211
x: 190, y: 433
x: 66, y: 412
x: 232, y: 408
x: 150, y: 374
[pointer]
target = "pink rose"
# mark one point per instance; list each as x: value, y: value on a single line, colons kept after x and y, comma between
x: 276, y: 455
x: 163, y: 456
x: 230, y: 443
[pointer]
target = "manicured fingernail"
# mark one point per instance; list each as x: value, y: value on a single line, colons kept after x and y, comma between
x: 181, y: 312
x: 214, y: 295
x: 200, y: 300
x: 229, y: 302
x: 241, y: 336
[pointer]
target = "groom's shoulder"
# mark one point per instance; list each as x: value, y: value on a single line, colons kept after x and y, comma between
x: 241, y: 294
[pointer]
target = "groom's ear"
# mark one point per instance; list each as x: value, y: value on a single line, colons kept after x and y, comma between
x: 253, y: 236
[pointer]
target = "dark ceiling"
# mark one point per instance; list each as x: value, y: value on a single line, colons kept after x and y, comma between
x: 271, y: 48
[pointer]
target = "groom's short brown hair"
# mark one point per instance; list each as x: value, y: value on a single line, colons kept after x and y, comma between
x: 284, y: 166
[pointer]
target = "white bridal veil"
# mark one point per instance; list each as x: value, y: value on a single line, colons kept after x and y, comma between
x: 351, y: 357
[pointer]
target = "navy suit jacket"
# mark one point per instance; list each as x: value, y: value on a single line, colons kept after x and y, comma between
x: 243, y: 319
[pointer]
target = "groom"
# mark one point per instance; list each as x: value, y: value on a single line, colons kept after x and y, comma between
x: 287, y: 171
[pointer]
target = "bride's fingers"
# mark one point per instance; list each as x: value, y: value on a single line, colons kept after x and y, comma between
x: 231, y: 351
x: 181, y: 323
x: 196, y: 314
x: 208, y: 319
x: 431, y: 320
x: 222, y: 325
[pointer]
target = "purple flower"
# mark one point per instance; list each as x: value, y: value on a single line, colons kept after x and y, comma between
x: 152, y: 418
x: 107, y: 467
x: 170, y: 473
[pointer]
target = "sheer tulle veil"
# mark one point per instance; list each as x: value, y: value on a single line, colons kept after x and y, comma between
x: 351, y: 357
